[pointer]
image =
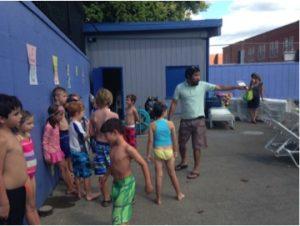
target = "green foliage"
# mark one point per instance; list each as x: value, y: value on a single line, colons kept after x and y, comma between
x: 141, y: 11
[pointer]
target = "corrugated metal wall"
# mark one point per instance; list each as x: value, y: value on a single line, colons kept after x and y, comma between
x: 22, y: 23
x: 281, y: 80
x: 144, y: 59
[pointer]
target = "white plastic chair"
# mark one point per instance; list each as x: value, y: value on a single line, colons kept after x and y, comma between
x: 221, y: 114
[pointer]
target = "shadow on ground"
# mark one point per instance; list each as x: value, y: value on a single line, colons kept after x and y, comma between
x: 61, y: 202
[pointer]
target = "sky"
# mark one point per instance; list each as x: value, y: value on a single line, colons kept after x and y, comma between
x: 243, y: 19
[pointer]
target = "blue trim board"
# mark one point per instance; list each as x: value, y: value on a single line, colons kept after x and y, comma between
x: 207, y: 60
x: 213, y: 25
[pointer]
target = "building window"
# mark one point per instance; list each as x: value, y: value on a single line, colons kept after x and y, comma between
x: 276, y: 45
x: 251, y: 53
x: 289, y: 44
x: 273, y: 49
x: 261, y: 52
x: 285, y: 44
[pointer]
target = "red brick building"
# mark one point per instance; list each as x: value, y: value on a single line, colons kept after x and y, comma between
x: 280, y: 44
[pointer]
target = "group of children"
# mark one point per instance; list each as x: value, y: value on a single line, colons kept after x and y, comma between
x: 68, y: 137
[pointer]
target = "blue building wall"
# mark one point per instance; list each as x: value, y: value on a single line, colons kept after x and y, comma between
x: 281, y: 80
x: 22, y: 23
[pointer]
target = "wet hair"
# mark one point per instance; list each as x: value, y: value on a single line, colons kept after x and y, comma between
x: 104, y: 98
x: 73, y: 97
x: 25, y: 116
x: 111, y: 125
x: 132, y: 97
x: 74, y: 108
x: 57, y: 88
x: 158, y: 109
x: 52, y: 111
x: 190, y: 71
x: 8, y: 104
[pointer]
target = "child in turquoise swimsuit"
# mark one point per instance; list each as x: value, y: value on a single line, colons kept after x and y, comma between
x: 162, y: 137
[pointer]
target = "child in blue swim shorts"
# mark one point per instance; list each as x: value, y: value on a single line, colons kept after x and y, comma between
x: 79, y: 155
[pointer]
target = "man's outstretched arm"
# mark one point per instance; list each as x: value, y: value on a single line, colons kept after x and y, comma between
x: 227, y: 88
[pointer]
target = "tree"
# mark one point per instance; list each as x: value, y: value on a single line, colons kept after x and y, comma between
x: 134, y: 11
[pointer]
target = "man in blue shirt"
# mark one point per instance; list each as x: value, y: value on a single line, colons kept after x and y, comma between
x: 191, y: 94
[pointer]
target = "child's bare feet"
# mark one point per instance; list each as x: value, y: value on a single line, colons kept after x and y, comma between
x: 83, y: 193
x: 158, y: 201
x: 92, y: 196
x: 72, y: 192
x: 180, y: 196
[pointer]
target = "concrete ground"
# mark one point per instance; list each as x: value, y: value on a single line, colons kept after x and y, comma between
x: 240, y: 183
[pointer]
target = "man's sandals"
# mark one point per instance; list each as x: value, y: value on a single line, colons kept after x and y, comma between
x: 181, y: 167
x: 193, y: 175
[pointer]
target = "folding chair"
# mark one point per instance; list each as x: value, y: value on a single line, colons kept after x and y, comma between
x: 286, y: 140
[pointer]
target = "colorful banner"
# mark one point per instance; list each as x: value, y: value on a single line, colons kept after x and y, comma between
x: 83, y: 77
x: 31, y: 52
x: 76, y: 70
x: 68, y: 77
x: 55, y: 69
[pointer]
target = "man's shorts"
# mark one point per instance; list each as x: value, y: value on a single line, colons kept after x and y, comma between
x: 195, y: 128
x: 101, y: 159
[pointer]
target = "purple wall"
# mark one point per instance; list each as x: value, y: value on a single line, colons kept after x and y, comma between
x: 281, y: 80
x: 21, y: 23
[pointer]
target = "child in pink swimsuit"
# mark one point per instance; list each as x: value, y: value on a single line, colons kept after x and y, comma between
x: 23, y: 135
x: 51, y: 144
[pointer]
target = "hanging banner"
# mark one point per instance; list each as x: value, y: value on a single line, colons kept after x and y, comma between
x: 55, y: 69
x: 68, y: 77
x: 76, y: 71
x: 31, y: 53
x: 83, y: 77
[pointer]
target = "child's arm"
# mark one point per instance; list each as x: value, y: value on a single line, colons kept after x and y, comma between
x: 150, y: 142
x: 47, y: 136
x: 136, y: 115
x: 91, y: 126
x: 261, y: 91
x: 133, y: 153
x: 174, y: 138
x: 4, y: 203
